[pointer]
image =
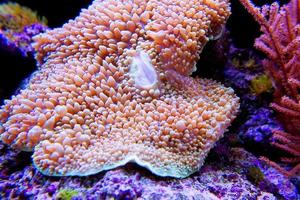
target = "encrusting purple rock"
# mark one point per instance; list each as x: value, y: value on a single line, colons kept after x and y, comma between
x: 117, y: 186
x: 257, y: 130
x: 22, y: 41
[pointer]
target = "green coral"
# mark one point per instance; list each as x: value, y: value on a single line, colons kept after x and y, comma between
x: 250, y: 63
x: 255, y: 175
x: 15, y: 17
x: 236, y: 62
x: 261, y: 84
x: 66, y: 194
x: 240, y: 63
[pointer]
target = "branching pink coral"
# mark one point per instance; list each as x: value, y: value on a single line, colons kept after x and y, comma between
x: 280, y: 41
x: 113, y: 87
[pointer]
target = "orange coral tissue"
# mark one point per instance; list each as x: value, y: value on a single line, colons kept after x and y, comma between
x: 113, y: 88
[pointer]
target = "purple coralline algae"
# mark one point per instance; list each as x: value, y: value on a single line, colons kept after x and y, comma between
x: 117, y: 185
x: 257, y: 130
x: 22, y: 41
x: 273, y: 181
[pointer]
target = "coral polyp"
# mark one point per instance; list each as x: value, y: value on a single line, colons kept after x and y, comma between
x: 260, y: 84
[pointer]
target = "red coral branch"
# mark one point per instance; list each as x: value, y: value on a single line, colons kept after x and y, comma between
x: 280, y: 42
x: 289, y: 173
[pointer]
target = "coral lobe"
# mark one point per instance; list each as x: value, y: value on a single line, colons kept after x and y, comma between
x: 85, y: 110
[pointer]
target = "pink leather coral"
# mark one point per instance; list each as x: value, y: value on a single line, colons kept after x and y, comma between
x: 113, y: 87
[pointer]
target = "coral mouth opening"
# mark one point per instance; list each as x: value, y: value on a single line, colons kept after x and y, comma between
x: 143, y: 72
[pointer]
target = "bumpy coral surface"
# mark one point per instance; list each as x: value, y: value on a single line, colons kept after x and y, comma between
x: 113, y: 88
